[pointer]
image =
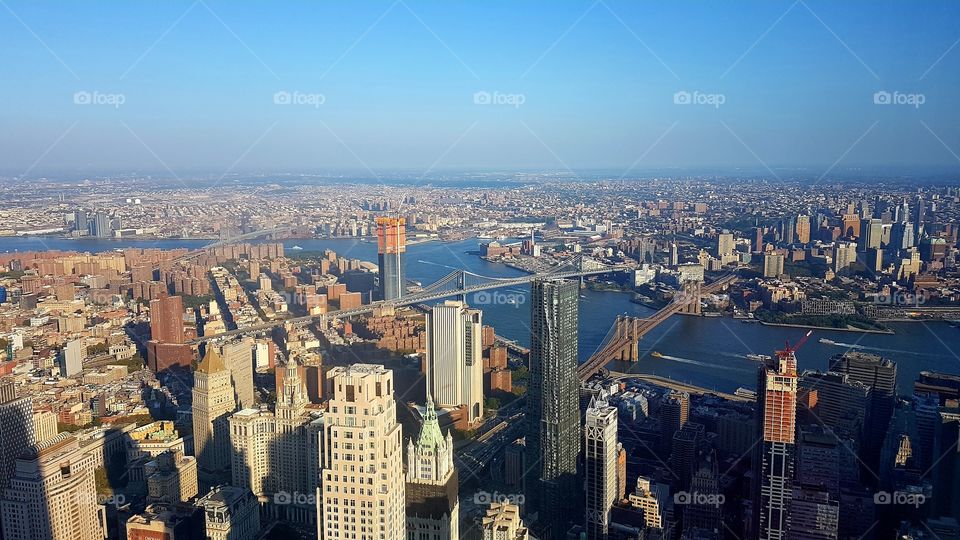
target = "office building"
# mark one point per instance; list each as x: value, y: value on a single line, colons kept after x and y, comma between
x: 291, y: 445
x: 674, y: 413
x: 363, y: 486
x: 433, y: 505
x: 71, y: 358
x: 502, y: 522
x: 725, y: 244
x: 213, y: 402
x: 17, y: 432
x: 171, y: 477
x: 391, y: 251
x: 599, y: 466
x: 454, y: 357
x: 774, y: 460
x: 704, y: 512
x: 871, y: 234
x: 880, y: 374
x: 238, y: 356
x: 230, y: 513
x: 653, y: 499
x: 101, y: 225
x: 52, y: 494
x: 813, y: 515
x: 44, y: 425
x: 553, y: 413
x: 253, y: 433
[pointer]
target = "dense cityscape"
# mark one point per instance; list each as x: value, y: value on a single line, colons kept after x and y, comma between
x: 244, y: 381
x: 539, y: 270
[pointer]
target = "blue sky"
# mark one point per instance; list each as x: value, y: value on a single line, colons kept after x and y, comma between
x: 573, y: 84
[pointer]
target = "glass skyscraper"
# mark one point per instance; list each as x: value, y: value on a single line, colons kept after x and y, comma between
x: 553, y: 416
x: 391, y: 246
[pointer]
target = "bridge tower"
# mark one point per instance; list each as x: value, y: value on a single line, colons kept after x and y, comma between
x: 691, y: 297
x: 462, y: 284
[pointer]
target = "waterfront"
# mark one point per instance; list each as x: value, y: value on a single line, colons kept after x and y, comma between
x: 708, y: 352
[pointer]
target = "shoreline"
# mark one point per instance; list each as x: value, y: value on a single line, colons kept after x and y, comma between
x: 811, y: 327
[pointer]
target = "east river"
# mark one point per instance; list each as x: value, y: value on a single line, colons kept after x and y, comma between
x: 704, y: 351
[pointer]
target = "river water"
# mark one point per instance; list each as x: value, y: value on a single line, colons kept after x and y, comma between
x: 708, y: 352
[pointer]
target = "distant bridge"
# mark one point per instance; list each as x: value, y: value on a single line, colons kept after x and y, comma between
x: 233, y: 240
x: 622, y: 341
x: 457, y: 283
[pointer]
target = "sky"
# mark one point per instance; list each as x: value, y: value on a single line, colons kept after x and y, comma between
x: 232, y: 87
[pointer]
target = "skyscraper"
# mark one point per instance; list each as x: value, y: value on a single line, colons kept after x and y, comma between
x: 52, y: 493
x: 880, y: 374
x: 454, y: 357
x: 674, y: 412
x: 553, y: 400
x: 167, y: 347
x: 17, y: 432
x: 599, y: 465
x: 774, y: 462
x: 230, y: 513
x: 391, y: 246
x: 803, y: 229
x: 291, y: 440
x: 213, y: 402
x: 433, y: 506
x: 238, y: 357
x: 363, y: 489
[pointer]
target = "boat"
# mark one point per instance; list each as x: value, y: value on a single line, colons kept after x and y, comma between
x: 827, y: 341
x: 758, y: 357
x: 745, y: 393
x: 656, y: 354
x: 296, y: 248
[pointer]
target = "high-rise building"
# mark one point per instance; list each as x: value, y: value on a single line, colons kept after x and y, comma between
x: 80, y: 222
x: 674, y: 254
x: 774, y: 462
x: 291, y: 440
x: 363, y: 489
x: 789, y: 228
x: 167, y: 346
x: 433, y: 505
x: 71, y: 358
x: 52, y: 493
x: 844, y: 256
x: 502, y: 522
x: 171, y: 477
x: 773, y: 264
x: 391, y: 247
x: 725, y: 244
x: 230, y: 513
x: 44, y: 425
x: 253, y: 434
x: 101, y: 227
x: 674, y: 413
x: 553, y: 413
x: 871, y: 234
x: 16, y: 430
x: 454, y: 357
x: 704, y: 512
x: 213, y: 402
x: 238, y: 356
x: 599, y: 466
x: 813, y: 515
x: 880, y: 374
x: 652, y: 498
x: 803, y: 229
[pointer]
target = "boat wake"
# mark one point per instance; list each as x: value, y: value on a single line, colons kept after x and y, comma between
x: 869, y: 348
x: 699, y: 363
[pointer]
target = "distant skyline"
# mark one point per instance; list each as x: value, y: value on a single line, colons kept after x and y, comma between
x: 225, y: 88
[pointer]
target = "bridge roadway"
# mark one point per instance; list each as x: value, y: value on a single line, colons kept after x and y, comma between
x: 612, y: 350
x: 227, y: 241
x: 406, y: 301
